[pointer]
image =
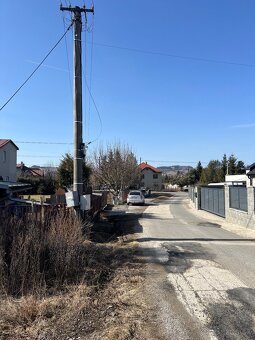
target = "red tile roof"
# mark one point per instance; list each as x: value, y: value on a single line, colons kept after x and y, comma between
x: 3, y: 142
x: 143, y: 166
x: 25, y: 170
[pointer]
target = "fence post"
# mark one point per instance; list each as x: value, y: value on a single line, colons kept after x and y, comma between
x: 198, y: 198
x: 251, y: 207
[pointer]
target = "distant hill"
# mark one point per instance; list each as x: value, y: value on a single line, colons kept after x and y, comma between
x: 172, y: 169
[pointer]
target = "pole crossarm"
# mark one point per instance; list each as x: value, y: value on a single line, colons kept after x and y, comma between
x: 77, y: 9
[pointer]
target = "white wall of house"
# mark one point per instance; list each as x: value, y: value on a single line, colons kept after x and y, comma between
x: 235, y: 179
x: 8, y: 161
x: 151, y: 179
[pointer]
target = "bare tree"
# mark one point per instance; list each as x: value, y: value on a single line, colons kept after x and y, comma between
x: 115, y: 167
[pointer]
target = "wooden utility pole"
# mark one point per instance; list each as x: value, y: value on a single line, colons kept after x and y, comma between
x: 77, y: 98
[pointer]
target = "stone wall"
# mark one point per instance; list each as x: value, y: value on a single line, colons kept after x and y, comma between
x: 243, y: 218
x: 235, y: 216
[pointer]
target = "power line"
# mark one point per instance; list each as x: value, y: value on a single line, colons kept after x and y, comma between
x: 89, y: 87
x: 171, y: 161
x: 35, y: 142
x: 96, y: 108
x: 40, y: 64
x: 67, y: 57
x: 98, y: 113
x: 177, y: 56
x: 91, y: 69
x: 39, y: 156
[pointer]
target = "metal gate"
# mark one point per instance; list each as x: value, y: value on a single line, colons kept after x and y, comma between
x: 213, y: 200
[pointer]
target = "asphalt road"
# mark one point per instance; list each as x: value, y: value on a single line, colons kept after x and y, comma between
x: 201, y: 276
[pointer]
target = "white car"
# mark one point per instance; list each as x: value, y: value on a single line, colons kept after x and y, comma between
x: 135, y: 197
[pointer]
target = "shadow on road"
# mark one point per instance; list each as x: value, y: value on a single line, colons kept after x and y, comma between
x: 234, y: 320
x: 115, y: 223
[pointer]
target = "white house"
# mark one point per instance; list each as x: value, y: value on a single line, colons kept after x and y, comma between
x: 250, y: 173
x: 151, y: 178
x: 247, y: 179
x: 8, y: 160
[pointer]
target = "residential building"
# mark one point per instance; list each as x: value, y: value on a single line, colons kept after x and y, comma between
x: 8, y: 160
x: 247, y: 179
x: 35, y: 171
x: 250, y: 173
x: 151, y: 178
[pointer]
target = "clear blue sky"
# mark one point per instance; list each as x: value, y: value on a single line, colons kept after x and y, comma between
x: 174, y: 79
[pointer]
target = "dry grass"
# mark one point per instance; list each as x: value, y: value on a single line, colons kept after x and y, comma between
x: 102, y: 307
x: 35, y: 256
x: 57, y: 285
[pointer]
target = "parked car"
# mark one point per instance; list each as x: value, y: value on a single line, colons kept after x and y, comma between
x: 146, y: 192
x: 135, y: 197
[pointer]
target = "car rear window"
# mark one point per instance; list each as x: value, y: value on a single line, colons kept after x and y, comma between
x: 135, y: 193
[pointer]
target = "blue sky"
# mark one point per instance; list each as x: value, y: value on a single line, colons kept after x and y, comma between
x: 174, y: 80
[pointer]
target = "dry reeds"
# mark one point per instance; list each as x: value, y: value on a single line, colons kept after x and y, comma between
x: 38, y: 255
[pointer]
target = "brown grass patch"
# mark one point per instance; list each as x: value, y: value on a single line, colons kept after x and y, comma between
x: 55, y: 284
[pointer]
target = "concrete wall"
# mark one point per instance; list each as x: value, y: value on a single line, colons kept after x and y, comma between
x: 8, y: 161
x: 149, y: 182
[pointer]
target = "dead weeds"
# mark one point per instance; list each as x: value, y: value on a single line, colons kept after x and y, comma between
x: 106, y: 304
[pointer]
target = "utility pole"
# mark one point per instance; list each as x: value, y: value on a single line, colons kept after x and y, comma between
x: 79, y: 150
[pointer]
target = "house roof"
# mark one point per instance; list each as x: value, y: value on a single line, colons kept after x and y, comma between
x: 252, y: 166
x: 14, y: 186
x: 251, y: 173
x: 35, y: 172
x: 143, y: 166
x: 3, y: 142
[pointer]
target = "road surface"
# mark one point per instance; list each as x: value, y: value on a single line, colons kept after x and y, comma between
x: 201, y: 277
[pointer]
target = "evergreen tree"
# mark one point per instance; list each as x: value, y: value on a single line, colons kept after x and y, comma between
x: 199, y: 170
x: 65, y: 172
x: 212, y: 173
x: 224, y: 167
x: 232, y: 165
x: 240, y: 168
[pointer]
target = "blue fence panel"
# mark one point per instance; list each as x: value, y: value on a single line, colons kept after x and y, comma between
x: 238, y: 198
x: 213, y: 200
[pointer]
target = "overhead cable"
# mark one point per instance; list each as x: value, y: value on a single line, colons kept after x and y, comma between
x: 177, y: 56
x: 40, y: 64
x: 98, y: 113
x: 171, y: 161
x: 35, y: 142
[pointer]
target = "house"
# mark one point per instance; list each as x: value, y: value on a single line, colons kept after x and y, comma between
x: 25, y: 171
x: 151, y: 178
x: 8, y: 160
x: 247, y: 179
x: 34, y: 171
x: 250, y: 173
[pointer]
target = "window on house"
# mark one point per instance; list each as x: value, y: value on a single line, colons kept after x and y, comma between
x: 142, y: 176
x: 4, y: 156
x: 155, y: 176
